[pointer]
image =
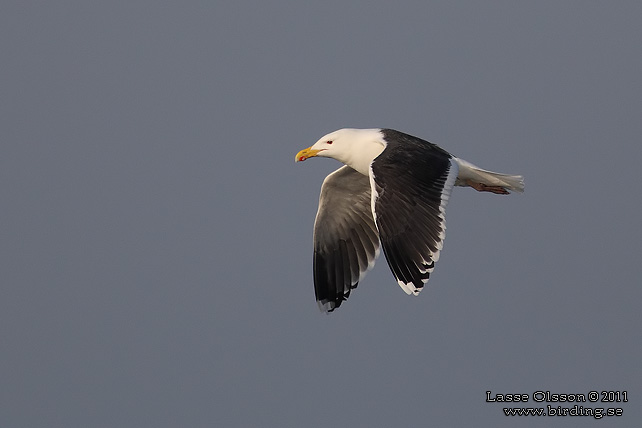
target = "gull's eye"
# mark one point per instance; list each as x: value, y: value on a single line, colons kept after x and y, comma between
x: 329, y: 142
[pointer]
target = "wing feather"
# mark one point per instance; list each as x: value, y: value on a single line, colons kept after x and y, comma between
x: 346, y: 242
x: 412, y: 180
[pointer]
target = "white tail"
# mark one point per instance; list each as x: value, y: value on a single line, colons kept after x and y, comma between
x: 468, y: 171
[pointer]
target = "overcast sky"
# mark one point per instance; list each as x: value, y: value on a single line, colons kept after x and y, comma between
x: 156, y: 234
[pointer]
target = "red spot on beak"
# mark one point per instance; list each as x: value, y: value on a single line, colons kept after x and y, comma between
x: 302, y: 158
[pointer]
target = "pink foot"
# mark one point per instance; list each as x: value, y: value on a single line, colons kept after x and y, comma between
x: 481, y: 187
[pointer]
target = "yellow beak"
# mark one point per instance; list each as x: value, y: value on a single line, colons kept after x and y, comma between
x: 306, y: 153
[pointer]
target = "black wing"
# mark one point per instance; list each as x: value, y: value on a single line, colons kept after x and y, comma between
x: 346, y: 242
x: 412, y: 179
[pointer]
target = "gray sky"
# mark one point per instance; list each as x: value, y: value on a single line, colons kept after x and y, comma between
x: 156, y: 233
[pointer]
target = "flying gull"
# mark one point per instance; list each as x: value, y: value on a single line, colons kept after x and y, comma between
x: 391, y: 193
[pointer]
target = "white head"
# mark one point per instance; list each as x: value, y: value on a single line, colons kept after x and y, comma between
x: 354, y: 147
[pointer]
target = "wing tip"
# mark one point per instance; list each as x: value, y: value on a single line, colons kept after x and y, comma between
x: 327, y: 306
x: 409, y: 288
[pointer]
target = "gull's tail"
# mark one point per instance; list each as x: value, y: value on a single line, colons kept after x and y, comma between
x: 468, y: 171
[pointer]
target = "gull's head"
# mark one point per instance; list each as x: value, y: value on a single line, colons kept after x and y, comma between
x: 339, y: 145
x: 328, y: 146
